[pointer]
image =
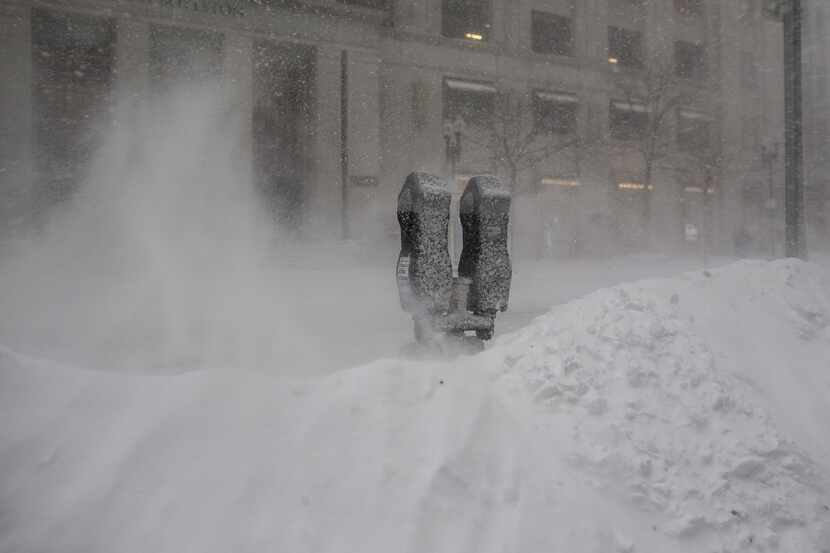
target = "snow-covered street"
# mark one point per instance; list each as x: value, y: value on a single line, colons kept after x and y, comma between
x: 685, y: 414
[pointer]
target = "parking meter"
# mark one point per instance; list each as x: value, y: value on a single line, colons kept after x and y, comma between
x: 424, y: 269
x: 485, y: 214
x: 446, y: 309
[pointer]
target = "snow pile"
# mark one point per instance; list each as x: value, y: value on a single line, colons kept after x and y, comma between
x: 684, y: 415
x: 664, y: 419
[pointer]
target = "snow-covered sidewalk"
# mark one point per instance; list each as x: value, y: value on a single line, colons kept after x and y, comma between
x: 685, y: 414
x: 290, y: 311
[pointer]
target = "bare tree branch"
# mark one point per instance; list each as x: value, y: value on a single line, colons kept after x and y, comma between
x: 514, y: 143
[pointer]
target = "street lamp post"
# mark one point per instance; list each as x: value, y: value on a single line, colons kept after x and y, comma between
x: 790, y: 12
x: 453, y: 130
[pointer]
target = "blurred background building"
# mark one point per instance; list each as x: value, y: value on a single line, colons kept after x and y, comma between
x: 626, y: 124
x: 817, y: 119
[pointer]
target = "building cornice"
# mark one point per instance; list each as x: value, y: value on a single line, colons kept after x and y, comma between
x: 257, y: 20
x: 329, y: 8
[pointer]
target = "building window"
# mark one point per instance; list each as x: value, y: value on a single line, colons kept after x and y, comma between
x: 468, y: 19
x: 179, y: 55
x: 552, y: 34
x: 692, y: 131
x: 628, y: 120
x: 373, y: 4
x: 282, y: 83
x: 689, y: 7
x: 625, y: 47
x: 555, y: 113
x: 689, y: 60
x: 746, y: 9
x: 72, y: 69
x: 469, y: 101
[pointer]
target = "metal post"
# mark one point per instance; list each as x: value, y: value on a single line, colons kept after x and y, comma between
x: 795, y: 245
x: 453, y: 131
x: 454, y: 156
x: 770, y: 205
x: 344, y: 144
x: 769, y: 154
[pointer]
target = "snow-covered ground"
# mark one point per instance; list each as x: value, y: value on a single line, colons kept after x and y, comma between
x: 297, y: 312
x: 685, y: 414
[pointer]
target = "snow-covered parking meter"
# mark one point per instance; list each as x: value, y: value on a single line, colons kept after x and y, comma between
x: 485, y: 215
x: 424, y: 269
x: 444, y: 308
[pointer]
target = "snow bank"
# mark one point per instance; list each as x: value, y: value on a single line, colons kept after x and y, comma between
x: 683, y: 415
x: 702, y: 399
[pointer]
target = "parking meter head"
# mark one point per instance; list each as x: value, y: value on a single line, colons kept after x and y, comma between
x: 424, y: 270
x: 485, y: 216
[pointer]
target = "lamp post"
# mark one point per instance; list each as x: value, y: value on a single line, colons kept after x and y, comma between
x: 453, y: 131
x: 790, y: 12
x: 769, y: 155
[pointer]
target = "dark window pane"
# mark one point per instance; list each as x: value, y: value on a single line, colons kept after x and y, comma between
x: 689, y: 60
x: 747, y: 9
x: 692, y: 132
x: 555, y: 115
x: 689, y: 7
x: 466, y: 19
x: 283, y: 76
x: 552, y: 34
x: 471, y: 102
x: 625, y: 47
x: 628, y: 121
x: 72, y: 66
x: 184, y: 56
x: 374, y: 4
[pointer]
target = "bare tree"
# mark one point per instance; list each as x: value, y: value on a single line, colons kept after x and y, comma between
x: 706, y: 160
x: 657, y: 92
x: 515, y: 143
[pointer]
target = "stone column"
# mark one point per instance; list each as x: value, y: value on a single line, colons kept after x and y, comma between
x: 323, y: 200
x: 16, y: 136
x: 130, y: 74
x: 238, y: 82
x: 433, y: 16
x: 659, y: 31
x: 364, y: 144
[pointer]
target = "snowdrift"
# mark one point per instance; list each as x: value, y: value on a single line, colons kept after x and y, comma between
x: 683, y: 415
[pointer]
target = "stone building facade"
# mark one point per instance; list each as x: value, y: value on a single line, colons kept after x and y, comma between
x: 348, y: 96
x: 817, y: 120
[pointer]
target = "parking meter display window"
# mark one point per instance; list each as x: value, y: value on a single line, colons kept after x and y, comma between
x: 424, y: 270
x: 485, y: 214
x: 405, y: 290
